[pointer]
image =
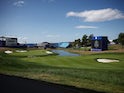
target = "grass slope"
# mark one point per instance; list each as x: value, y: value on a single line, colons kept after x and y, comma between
x: 82, y: 71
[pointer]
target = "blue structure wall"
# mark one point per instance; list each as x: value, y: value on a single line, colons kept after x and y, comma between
x: 99, y: 43
x: 31, y: 45
x: 63, y: 44
x: 2, y: 43
x: 60, y: 45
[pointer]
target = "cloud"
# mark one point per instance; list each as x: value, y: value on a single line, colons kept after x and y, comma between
x: 19, y: 3
x: 22, y: 39
x: 85, y: 27
x: 44, y: 32
x: 98, y: 15
x: 52, y: 36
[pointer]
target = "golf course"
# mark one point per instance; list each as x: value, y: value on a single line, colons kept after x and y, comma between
x: 79, y: 71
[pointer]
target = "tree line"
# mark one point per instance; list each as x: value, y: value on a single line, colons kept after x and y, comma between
x: 120, y: 39
x: 85, y: 41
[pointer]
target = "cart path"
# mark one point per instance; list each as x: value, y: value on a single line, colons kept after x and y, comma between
x: 13, y: 84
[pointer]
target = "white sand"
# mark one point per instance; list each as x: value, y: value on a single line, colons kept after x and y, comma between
x: 8, y: 52
x: 49, y: 52
x: 21, y: 50
x: 107, y: 60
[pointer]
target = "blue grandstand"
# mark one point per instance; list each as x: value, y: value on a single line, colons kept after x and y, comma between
x: 63, y: 44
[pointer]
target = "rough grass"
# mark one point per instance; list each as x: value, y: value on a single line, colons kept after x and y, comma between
x: 82, y: 71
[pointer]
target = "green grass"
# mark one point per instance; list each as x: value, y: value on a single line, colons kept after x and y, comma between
x: 82, y: 71
x: 114, y: 47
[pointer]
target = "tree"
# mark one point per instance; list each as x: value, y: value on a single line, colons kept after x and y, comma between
x: 90, y: 39
x: 121, y: 39
x: 115, y: 41
x: 77, y: 43
x: 84, y: 40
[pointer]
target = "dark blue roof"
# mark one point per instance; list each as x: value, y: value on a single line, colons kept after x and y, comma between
x: 98, y: 37
x: 30, y: 44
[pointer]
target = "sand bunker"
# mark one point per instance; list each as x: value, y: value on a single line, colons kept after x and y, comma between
x: 49, y: 52
x: 21, y: 50
x: 8, y: 52
x: 107, y: 60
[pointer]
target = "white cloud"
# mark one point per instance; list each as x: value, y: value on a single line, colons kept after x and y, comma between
x: 52, y: 36
x: 22, y: 39
x: 85, y: 27
x: 45, y: 32
x: 98, y: 15
x: 19, y: 3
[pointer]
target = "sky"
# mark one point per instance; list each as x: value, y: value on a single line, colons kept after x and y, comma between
x: 36, y: 21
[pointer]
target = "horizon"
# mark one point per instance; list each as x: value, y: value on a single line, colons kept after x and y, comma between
x: 25, y: 42
x: 36, y: 21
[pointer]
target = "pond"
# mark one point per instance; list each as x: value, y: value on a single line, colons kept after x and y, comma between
x: 64, y: 53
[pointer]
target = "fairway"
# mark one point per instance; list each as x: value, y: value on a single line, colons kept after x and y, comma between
x: 79, y: 71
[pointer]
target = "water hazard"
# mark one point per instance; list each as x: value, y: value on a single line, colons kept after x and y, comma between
x: 64, y: 53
